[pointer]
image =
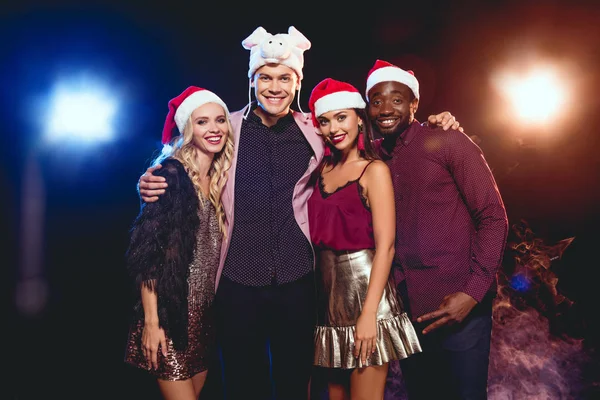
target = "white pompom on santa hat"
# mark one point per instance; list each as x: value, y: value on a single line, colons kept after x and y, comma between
x: 384, y: 71
x: 329, y: 95
x: 182, y: 107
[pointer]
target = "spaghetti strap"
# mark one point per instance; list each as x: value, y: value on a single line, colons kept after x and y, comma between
x: 363, y: 171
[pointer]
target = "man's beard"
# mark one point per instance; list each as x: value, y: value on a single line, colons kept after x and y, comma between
x: 394, y: 133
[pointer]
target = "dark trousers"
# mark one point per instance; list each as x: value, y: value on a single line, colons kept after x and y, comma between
x: 454, y: 361
x: 265, y: 337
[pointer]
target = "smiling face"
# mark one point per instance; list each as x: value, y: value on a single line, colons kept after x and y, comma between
x: 391, y: 108
x: 274, y: 88
x: 340, y: 128
x: 210, y: 128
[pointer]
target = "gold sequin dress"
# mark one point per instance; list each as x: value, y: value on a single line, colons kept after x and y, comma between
x: 179, y: 365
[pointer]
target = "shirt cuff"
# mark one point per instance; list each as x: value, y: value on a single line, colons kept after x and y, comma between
x: 477, y: 287
x: 398, y: 274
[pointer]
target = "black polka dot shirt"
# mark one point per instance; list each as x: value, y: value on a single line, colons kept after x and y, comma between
x: 267, y: 246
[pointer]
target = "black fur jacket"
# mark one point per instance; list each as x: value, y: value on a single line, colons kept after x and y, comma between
x: 161, y: 249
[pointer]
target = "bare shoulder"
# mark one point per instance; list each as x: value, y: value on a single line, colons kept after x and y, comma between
x: 377, y: 167
x: 377, y: 172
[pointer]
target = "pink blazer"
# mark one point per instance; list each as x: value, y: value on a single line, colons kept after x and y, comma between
x: 302, y: 190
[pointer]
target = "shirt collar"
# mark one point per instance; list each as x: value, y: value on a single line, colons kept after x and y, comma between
x: 388, y: 145
x: 281, y: 123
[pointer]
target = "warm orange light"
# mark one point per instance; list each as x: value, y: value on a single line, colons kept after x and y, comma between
x: 537, y: 96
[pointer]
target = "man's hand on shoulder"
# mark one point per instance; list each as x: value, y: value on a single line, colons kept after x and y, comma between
x: 445, y: 121
x: 151, y: 186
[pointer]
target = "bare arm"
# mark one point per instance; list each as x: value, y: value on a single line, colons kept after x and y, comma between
x: 380, y: 195
x: 153, y: 335
x: 151, y: 186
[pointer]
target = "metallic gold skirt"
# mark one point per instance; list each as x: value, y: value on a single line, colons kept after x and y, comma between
x: 342, y: 282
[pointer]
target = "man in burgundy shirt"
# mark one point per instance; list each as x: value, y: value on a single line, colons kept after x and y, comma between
x: 451, y: 233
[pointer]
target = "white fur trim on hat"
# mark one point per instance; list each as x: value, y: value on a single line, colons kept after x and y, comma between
x: 194, y: 101
x: 338, y: 101
x: 393, y: 74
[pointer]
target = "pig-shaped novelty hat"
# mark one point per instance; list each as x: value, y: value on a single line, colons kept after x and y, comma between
x: 282, y: 48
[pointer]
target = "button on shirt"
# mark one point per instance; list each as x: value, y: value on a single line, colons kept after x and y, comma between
x: 450, y: 219
x: 267, y: 246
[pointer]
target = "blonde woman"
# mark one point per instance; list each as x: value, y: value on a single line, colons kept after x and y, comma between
x: 175, y: 245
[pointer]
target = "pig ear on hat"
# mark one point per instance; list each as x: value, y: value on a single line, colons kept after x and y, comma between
x: 255, y: 38
x: 298, y: 39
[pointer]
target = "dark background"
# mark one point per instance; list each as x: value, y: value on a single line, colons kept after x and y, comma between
x: 146, y: 54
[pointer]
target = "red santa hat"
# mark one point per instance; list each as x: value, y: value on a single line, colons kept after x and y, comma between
x: 182, y: 106
x: 383, y: 71
x: 329, y: 95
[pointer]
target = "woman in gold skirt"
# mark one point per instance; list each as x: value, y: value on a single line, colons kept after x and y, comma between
x: 361, y: 325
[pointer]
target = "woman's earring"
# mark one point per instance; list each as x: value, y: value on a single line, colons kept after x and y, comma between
x: 361, y: 141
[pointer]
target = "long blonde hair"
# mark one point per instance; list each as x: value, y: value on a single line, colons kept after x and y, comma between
x: 183, y: 149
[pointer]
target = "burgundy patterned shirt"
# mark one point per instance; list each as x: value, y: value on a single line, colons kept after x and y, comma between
x: 450, y: 218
